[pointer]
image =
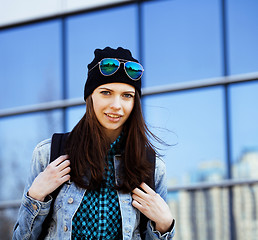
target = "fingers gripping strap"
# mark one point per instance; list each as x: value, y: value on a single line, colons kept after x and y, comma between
x: 57, y: 149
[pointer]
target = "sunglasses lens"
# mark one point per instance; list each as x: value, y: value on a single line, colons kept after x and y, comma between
x: 134, y: 70
x: 108, y: 66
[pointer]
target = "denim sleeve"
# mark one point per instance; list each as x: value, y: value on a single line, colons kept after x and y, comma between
x: 32, y: 212
x: 161, y: 189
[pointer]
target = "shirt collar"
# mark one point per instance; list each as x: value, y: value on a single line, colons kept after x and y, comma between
x: 113, y: 145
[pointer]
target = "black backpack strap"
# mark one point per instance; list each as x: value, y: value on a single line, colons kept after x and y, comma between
x: 57, y: 149
x: 58, y: 145
x: 151, y: 156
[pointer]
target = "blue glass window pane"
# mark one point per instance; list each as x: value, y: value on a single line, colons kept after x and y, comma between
x: 245, y: 199
x: 242, y: 36
x: 203, y: 213
x: 244, y: 112
x: 182, y: 41
x: 8, y: 218
x: 30, y: 66
x: 19, y: 136
x: 74, y: 115
x: 98, y: 30
x: 193, y: 123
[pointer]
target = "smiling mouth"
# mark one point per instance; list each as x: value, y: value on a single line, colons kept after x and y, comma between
x: 113, y: 115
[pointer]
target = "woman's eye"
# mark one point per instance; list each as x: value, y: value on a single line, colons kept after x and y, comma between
x: 105, y: 92
x: 128, y: 95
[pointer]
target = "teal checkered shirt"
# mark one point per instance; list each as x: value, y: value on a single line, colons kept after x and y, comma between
x: 98, y: 216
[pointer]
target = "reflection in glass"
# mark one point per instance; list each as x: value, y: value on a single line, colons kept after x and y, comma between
x: 19, y: 136
x: 7, y: 220
x: 245, y: 207
x: 201, y: 214
x: 242, y: 36
x: 30, y: 64
x: 193, y: 123
x: 182, y: 41
x: 204, y: 213
x: 74, y: 115
x: 244, y: 112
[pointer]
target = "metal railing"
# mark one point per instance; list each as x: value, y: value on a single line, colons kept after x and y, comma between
x: 207, y: 185
x: 176, y: 87
x: 198, y: 186
x: 227, y: 210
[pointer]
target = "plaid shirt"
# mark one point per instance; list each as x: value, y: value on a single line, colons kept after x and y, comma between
x: 98, y: 216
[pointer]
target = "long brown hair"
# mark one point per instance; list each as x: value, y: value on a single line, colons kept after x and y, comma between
x: 87, y: 147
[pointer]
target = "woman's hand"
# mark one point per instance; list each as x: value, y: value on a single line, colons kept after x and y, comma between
x: 153, y: 207
x: 55, y: 174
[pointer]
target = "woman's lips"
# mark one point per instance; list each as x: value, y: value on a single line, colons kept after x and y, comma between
x: 113, y: 117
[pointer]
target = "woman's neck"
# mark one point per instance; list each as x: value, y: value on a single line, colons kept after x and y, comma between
x: 112, y: 135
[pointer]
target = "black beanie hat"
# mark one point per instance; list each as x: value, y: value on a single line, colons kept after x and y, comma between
x: 95, y: 78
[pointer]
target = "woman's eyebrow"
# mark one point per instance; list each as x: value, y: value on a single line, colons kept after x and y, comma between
x: 126, y: 91
x: 104, y: 88
x: 129, y: 91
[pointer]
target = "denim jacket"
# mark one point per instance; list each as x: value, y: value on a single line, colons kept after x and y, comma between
x: 32, y: 212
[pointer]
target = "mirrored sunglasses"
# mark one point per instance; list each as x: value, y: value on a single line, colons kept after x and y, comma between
x: 109, y: 66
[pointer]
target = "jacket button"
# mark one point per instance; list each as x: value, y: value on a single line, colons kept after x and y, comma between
x: 34, y: 206
x: 65, y: 228
x: 70, y: 200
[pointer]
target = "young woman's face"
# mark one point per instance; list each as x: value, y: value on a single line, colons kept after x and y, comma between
x: 113, y: 104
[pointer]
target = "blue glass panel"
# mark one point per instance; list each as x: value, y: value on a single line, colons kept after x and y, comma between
x: 74, y: 116
x: 182, y: 41
x: 193, y: 123
x: 242, y: 36
x: 8, y: 218
x: 30, y: 66
x: 19, y: 136
x: 244, y: 114
x: 204, y: 213
x: 114, y: 28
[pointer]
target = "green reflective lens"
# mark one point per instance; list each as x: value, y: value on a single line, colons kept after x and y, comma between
x: 134, y: 70
x: 109, y: 66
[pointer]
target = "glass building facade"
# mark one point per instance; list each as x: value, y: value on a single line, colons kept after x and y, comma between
x: 200, y: 96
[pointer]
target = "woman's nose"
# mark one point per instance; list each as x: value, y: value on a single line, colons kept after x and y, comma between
x: 116, y: 103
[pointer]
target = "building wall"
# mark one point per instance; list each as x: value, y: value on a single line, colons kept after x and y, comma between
x: 211, y: 129
x: 16, y: 11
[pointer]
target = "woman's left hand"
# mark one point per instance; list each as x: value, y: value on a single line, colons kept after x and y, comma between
x: 153, y: 206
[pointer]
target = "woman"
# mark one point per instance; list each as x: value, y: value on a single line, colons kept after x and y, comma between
x: 104, y: 173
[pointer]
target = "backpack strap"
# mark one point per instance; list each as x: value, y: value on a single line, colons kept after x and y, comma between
x: 58, y: 145
x: 57, y: 149
x: 151, y: 156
